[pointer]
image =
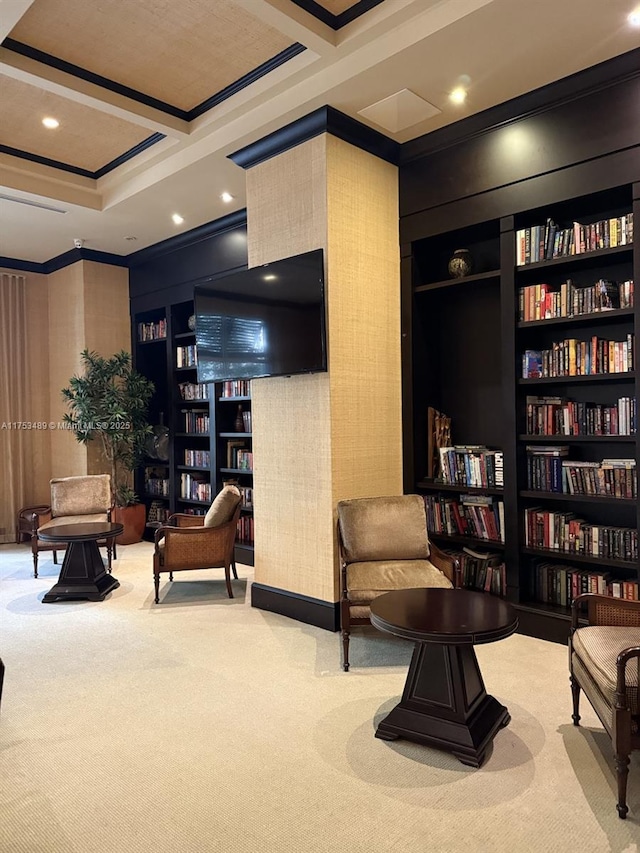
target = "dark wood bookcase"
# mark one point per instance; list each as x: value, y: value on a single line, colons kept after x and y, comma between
x: 467, y: 342
x: 200, y: 427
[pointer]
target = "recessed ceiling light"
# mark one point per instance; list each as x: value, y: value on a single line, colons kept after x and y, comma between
x: 270, y: 277
x: 458, y: 96
x: 226, y: 197
x: 634, y: 17
x: 50, y: 122
x: 178, y: 220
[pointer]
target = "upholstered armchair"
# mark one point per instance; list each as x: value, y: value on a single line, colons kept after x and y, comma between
x: 384, y: 545
x: 604, y: 657
x: 74, y: 500
x: 190, y: 542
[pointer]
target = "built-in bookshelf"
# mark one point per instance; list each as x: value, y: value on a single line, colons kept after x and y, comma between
x: 234, y: 440
x: 533, y: 356
x: 209, y: 426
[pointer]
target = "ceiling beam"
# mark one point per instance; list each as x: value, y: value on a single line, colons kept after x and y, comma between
x: 81, y: 91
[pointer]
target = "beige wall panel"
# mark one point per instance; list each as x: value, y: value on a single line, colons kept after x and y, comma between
x: 364, y: 323
x: 287, y: 215
x: 107, y: 326
x: 37, y: 486
x: 318, y: 439
x: 66, y: 341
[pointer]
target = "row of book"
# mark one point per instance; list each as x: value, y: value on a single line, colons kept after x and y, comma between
x: 481, y: 570
x: 239, y: 455
x: 479, y: 516
x: 194, y: 487
x: 547, y: 471
x: 193, y: 390
x: 572, y: 357
x: 564, y: 532
x: 560, y: 584
x: 158, y: 513
x: 246, y: 420
x: 471, y: 465
x: 186, y: 356
x: 196, y: 421
x: 540, y: 302
x: 245, y: 529
x: 236, y: 388
x: 560, y: 416
x: 153, y: 331
x: 544, y: 242
x: 197, y: 458
x: 156, y: 485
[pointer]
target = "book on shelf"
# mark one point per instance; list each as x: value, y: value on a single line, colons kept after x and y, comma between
x: 541, y: 302
x: 545, y: 242
x: 471, y: 465
x: 561, y: 416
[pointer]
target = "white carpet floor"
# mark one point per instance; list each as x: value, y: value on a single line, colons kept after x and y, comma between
x: 203, y: 724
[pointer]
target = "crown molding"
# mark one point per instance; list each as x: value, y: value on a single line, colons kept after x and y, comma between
x: 323, y: 120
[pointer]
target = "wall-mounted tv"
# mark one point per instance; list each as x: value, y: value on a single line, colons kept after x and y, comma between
x: 264, y: 321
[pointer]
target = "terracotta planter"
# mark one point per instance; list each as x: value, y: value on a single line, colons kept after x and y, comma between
x: 133, y: 518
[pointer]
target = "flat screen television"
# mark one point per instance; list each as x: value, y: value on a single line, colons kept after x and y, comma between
x: 264, y: 321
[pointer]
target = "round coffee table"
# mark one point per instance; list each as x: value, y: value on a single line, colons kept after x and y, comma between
x: 444, y: 703
x: 82, y: 574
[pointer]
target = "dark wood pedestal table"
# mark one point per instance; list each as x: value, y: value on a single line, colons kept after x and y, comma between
x: 82, y: 574
x: 445, y: 704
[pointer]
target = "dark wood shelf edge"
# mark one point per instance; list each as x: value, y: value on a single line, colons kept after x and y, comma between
x: 457, y: 282
x: 569, y: 557
x: 591, y: 377
x: 236, y: 470
x: 577, y: 258
x: 429, y: 485
x: 576, y: 318
x: 467, y: 540
x: 567, y: 496
x: 569, y: 439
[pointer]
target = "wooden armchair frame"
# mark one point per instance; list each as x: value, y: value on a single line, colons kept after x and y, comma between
x: 608, y: 611
x: 449, y: 566
x: 188, y: 545
x: 30, y: 518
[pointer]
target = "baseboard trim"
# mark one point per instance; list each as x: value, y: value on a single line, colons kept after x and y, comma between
x: 313, y: 611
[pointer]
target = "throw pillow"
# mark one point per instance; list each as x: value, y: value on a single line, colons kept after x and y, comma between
x: 223, y: 507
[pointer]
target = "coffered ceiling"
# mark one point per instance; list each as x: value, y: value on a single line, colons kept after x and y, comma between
x: 151, y: 96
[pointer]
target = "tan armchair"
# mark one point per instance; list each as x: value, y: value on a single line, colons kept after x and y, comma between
x: 384, y: 545
x: 74, y: 500
x: 604, y: 657
x: 190, y: 542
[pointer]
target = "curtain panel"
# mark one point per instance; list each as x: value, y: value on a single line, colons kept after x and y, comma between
x: 14, y: 401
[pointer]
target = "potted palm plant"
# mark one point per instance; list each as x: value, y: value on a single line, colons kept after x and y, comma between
x: 108, y: 402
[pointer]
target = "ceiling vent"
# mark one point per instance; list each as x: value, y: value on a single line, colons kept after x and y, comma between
x: 29, y: 203
x: 399, y: 111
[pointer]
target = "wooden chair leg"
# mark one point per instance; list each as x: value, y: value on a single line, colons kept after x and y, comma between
x: 575, y: 693
x: 170, y: 576
x: 227, y: 577
x: 109, y: 554
x: 233, y: 569
x: 55, y: 558
x: 622, y: 770
x: 345, y: 650
x: 34, y: 548
x: 156, y: 583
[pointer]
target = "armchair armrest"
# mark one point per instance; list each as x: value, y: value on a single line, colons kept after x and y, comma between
x: 449, y: 566
x: 185, y: 519
x: 30, y: 518
x: 605, y: 610
x: 621, y: 682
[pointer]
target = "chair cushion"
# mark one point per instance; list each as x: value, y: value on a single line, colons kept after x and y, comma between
x: 384, y: 528
x: 223, y: 507
x: 368, y: 580
x: 598, y: 646
x: 84, y: 495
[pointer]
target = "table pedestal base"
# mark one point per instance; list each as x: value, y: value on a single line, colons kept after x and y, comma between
x: 445, y: 704
x: 82, y: 575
